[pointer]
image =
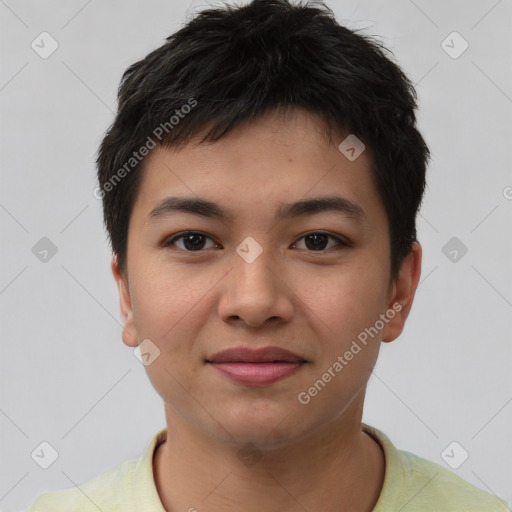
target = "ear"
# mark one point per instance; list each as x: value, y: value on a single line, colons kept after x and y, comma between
x: 129, y: 332
x: 402, y: 293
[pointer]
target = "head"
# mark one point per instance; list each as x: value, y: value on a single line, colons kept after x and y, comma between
x: 248, y: 108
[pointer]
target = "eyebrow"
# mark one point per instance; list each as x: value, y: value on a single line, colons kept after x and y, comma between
x: 206, y: 208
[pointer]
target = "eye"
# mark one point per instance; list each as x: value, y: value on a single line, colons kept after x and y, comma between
x: 193, y: 241
x: 316, y: 241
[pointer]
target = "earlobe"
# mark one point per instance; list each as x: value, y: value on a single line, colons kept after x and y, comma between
x: 129, y: 335
x: 402, y: 294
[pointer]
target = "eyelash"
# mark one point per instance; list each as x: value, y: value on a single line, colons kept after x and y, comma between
x: 170, y: 241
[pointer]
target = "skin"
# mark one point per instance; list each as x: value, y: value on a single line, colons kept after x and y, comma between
x: 314, y: 302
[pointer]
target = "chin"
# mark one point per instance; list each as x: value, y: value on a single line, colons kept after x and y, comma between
x: 264, y: 427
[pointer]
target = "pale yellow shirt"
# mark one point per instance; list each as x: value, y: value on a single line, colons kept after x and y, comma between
x: 411, y: 484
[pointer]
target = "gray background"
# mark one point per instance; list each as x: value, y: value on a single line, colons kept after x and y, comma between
x: 67, y: 378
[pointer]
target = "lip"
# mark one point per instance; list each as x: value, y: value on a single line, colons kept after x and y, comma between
x: 257, y: 374
x: 261, y: 355
x: 259, y: 367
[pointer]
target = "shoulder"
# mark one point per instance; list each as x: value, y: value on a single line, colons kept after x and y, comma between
x: 127, y: 486
x: 106, y: 491
x: 432, y: 485
x: 412, y: 483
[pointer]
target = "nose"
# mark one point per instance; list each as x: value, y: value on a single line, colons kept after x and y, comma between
x: 256, y: 293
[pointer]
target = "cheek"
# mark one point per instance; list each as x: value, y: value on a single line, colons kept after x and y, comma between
x: 345, y: 303
x: 165, y: 301
x: 170, y: 309
x: 340, y: 310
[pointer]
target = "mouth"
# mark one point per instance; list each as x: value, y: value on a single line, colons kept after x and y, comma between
x: 256, y: 367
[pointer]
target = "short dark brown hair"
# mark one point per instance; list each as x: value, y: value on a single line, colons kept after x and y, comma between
x: 230, y: 65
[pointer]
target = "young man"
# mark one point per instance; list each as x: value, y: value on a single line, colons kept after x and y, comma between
x: 260, y: 185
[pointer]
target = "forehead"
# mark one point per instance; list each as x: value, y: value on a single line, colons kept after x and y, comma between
x: 261, y: 167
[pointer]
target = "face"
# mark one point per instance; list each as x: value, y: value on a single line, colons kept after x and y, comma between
x: 311, y: 280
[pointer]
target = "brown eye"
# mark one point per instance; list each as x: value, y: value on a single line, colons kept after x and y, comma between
x: 192, y: 241
x: 318, y: 241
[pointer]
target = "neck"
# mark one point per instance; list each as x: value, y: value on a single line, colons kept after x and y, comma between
x: 338, y: 466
